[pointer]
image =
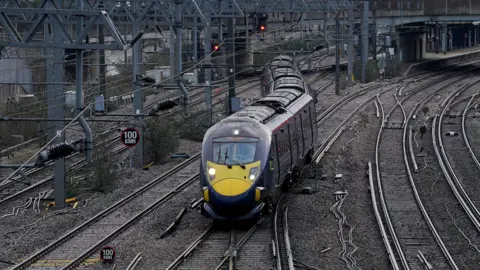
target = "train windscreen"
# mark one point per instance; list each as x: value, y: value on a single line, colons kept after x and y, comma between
x: 234, y: 150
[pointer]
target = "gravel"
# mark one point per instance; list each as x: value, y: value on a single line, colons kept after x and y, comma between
x: 312, y: 227
x: 442, y: 206
x: 53, y: 226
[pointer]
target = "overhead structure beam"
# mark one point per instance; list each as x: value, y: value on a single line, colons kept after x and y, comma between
x: 54, y: 16
x: 190, y: 8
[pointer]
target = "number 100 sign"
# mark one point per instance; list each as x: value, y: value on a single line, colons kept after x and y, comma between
x: 130, y: 137
x: 107, y: 254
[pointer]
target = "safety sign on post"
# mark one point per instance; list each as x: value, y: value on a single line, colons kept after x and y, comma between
x: 107, y: 254
x: 130, y: 137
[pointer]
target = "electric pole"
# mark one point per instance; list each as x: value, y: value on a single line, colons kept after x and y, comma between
x: 337, y: 54
x: 365, y: 35
x: 374, y: 30
x: 58, y: 111
x: 101, y: 54
x: 207, y: 46
x: 231, y: 51
x: 137, y: 95
x: 350, y: 42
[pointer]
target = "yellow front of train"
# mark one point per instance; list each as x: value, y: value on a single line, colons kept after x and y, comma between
x: 231, y: 173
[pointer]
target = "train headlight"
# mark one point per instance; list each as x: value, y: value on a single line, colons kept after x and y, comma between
x: 236, y: 132
x: 211, y: 173
x: 253, y: 173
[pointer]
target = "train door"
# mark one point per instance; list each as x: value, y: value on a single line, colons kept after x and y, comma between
x: 275, y: 161
x: 295, y: 149
x: 291, y: 143
x: 313, y: 124
x: 284, y: 159
x: 302, y: 135
x: 298, y: 135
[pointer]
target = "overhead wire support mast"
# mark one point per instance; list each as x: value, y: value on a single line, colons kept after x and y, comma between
x: 178, y: 27
x: 231, y: 60
x: 51, y: 14
x: 137, y: 94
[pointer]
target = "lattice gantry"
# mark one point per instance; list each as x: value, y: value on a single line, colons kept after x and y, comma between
x: 48, y: 12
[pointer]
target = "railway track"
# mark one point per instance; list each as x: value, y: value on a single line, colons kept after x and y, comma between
x: 234, y: 248
x: 77, y: 162
x: 283, y: 250
x: 117, y: 231
x: 460, y: 176
x: 80, y: 162
x: 217, y: 248
x: 435, y: 196
x: 114, y: 127
x: 79, y: 243
x: 403, y: 201
x: 82, y: 235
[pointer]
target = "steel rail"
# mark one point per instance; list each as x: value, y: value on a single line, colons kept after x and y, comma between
x: 69, y: 235
x: 80, y: 162
x: 190, y: 249
x: 458, y: 195
x: 287, y: 239
x: 464, y: 132
x: 383, y: 203
x: 240, y: 244
x: 44, y: 182
x: 111, y: 128
x: 448, y: 171
x: 35, y: 257
x: 385, y: 118
x: 322, y: 148
x: 383, y: 232
x: 275, y: 230
x: 427, y: 218
x: 77, y: 261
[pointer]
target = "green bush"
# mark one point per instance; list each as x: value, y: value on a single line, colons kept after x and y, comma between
x: 193, y: 127
x: 104, y: 175
x: 100, y: 176
x: 161, y: 139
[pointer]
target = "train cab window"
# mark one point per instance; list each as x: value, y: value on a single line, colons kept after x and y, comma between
x: 241, y: 150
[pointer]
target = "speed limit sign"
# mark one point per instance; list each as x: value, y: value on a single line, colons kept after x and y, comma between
x: 130, y: 137
x: 107, y: 254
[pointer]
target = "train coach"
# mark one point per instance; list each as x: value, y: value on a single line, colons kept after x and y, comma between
x: 283, y: 72
x: 250, y: 157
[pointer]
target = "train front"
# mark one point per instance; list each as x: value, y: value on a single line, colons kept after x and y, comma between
x: 233, y: 157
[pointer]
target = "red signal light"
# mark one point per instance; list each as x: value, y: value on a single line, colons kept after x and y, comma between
x: 262, y: 27
x: 215, y: 47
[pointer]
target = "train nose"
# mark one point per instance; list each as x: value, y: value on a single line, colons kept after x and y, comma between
x: 232, y: 197
x: 231, y: 187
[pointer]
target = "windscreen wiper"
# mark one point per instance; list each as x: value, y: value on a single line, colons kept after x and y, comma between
x: 226, y: 157
x: 236, y: 161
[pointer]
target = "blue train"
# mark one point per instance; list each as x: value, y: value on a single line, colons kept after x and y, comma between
x: 250, y: 157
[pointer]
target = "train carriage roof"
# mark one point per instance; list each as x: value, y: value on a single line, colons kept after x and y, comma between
x: 286, y: 71
x: 281, y: 64
x: 289, y: 83
x: 283, y: 57
x: 266, y: 108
